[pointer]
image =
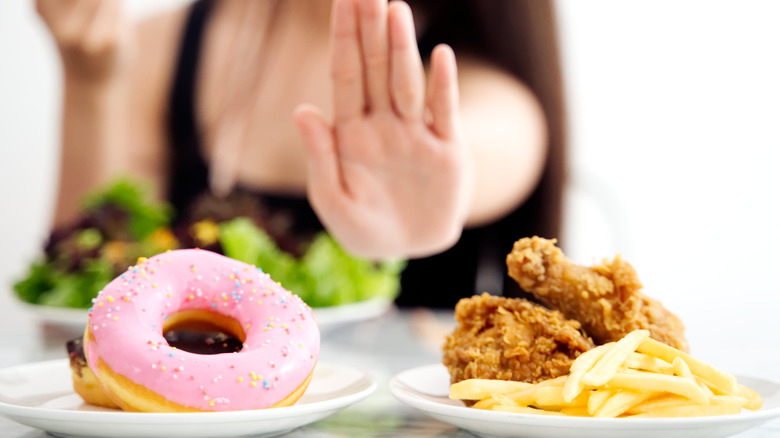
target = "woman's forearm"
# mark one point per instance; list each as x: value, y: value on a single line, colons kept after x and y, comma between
x: 93, y: 42
x: 93, y: 132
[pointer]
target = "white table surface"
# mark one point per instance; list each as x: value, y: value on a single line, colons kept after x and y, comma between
x: 384, y: 346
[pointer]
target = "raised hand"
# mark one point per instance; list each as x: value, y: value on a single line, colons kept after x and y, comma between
x: 390, y: 176
x: 92, y: 35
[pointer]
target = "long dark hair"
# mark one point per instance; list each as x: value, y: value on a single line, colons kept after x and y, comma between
x: 520, y: 36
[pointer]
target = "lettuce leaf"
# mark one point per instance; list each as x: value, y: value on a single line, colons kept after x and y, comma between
x: 144, y: 216
x: 84, y: 258
x: 242, y: 240
x: 48, y: 285
x: 325, y: 275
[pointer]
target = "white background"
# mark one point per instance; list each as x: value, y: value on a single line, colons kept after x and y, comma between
x: 675, y: 108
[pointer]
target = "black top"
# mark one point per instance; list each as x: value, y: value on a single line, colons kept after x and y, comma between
x: 437, y: 281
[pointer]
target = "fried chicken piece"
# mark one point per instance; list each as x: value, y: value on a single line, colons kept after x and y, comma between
x: 511, y: 339
x: 605, y: 299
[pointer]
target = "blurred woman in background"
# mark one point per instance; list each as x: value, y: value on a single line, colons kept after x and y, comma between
x: 347, y: 115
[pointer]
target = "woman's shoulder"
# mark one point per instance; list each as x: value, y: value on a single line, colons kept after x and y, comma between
x: 487, y: 90
x: 484, y: 80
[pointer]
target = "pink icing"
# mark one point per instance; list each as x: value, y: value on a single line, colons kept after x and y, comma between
x: 127, y: 317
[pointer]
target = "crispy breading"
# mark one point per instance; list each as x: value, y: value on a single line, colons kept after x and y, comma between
x: 511, y: 339
x: 606, y: 299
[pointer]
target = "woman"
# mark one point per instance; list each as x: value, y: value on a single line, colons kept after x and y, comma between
x: 327, y: 103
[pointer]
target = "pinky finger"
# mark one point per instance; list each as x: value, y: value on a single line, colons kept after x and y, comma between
x: 443, y: 98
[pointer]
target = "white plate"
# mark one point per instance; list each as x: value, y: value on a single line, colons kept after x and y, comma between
x: 331, y: 318
x: 426, y: 388
x: 61, y: 316
x: 40, y: 395
x: 328, y: 318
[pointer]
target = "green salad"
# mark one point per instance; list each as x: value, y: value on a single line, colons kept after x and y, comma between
x: 324, y: 276
x: 121, y: 223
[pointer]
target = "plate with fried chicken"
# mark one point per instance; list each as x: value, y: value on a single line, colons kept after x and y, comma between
x: 588, y: 354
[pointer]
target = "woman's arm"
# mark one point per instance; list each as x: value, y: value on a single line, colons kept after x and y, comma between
x: 505, y: 129
x: 93, y: 43
x: 93, y: 139
x: 114, y: 75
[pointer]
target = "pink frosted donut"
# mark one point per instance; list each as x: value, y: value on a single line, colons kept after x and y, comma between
x: 193, y: 288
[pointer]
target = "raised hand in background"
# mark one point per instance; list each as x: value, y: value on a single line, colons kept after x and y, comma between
x: 393, y: 164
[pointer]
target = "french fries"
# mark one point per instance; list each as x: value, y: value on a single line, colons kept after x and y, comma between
x: 633, y: 377
x: 477, y: 389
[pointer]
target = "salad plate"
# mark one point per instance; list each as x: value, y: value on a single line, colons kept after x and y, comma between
x: 426, y: 389
x: 121, y: 222
x: 40, y: 395
x: 328, y: 318
x: 59, y: 316
x: 334, y: 317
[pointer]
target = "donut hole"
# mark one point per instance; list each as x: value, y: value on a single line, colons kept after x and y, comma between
x: 204, y: 332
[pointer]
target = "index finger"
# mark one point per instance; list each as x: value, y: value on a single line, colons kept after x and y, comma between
x: 346, y: 63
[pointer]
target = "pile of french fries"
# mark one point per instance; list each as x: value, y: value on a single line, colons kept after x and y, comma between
x: 633, y: 377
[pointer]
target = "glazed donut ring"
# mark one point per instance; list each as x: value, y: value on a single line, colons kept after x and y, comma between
x: 140, y: 371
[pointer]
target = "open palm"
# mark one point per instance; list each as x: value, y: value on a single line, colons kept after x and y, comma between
x: 389, y: 177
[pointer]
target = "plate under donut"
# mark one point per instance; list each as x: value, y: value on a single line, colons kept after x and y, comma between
x: 40, y: 395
